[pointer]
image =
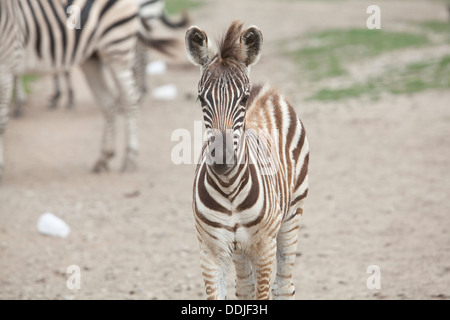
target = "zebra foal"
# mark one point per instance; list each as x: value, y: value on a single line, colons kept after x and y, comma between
x: 36, y: 39
x: 252, y: 179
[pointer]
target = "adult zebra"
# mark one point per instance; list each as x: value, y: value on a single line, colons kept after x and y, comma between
x: 37, y: 38
x: 252, y: 178
x: 149, y: 11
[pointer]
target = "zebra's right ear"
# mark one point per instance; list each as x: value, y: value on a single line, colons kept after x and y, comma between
x: 197, y: 46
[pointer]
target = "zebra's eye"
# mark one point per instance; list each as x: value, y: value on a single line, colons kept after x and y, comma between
x: 244, y: 100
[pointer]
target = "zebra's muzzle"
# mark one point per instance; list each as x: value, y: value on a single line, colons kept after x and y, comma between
x: 221, y: 156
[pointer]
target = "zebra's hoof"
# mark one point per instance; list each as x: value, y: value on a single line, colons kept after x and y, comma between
x: 17, y: 114
x: 100, y: 166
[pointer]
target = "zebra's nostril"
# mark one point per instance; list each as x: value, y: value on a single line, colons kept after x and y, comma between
x: 221, y: 155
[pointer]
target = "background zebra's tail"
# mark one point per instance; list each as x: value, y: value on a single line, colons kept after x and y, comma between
x: 163, y: 45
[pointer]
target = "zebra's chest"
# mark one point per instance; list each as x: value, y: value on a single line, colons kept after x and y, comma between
x: 235, y: 212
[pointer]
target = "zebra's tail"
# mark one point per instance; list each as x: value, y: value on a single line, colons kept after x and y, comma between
x: 163, y: 45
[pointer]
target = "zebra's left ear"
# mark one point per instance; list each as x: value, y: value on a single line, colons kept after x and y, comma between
x: 251, y: 44
x: 197, y: 46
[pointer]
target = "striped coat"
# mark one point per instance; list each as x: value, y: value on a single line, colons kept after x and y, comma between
x: 40, y: 36
x: 250, y: 211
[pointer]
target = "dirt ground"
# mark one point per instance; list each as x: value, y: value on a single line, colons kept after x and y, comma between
x: 379, y: 180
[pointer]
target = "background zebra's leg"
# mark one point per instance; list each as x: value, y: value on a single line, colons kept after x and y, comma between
x: 245, y: 282
x: 283, y: 287
x: 19, y: 98
x: 71, y: 98
x: 6, y: 83
x: 97, y: 79
x: 124, y: 77
x: 140, y: 68
x: 54, y: 101
x: 57, y: 79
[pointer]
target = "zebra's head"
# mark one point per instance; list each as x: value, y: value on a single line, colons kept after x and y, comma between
x: 224, y: 89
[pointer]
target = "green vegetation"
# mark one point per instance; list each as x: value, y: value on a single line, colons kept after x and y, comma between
x: 327, y: 54
x: 332, y: 48
x: 26, y: 82
x: 436, y: 26
x: 178, y: 6
x: 415, y: 77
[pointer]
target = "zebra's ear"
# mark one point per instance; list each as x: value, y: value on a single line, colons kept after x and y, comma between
x: 197, y: 46
x: 251, y: 44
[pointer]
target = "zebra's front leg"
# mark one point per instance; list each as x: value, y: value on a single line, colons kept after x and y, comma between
x: 101, y: 88
x: 245, y: 282
x: 215, y: 273
x: 283, y: 287
x: 263, y: 261
x: 124, y: 78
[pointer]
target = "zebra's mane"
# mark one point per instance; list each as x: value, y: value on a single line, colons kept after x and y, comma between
x: 229, y: 45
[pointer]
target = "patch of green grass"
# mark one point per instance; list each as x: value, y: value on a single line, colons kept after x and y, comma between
x: 331, y: 48
x: 369, y: 88
x: 178, y: 6
x: 26, y: 81
x: 315, y: 0
x: 415, y: 77
x: 436, y: 26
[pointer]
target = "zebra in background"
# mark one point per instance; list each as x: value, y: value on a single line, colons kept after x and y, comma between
x: 149, y: 11
x: 37, y: 40
x: 252, y: 179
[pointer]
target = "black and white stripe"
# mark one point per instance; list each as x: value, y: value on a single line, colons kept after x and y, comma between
x: 36, y: 39
x: 248, y: 195
x: 149, y: 12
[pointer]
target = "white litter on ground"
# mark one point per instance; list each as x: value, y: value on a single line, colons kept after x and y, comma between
x: 156, y: 67
x: 51, y: 225
x: 167, y: 92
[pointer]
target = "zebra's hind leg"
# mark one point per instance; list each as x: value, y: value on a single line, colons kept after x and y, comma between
x: 140, y: 68
x: 245, y: 281
x: 96, y: 75
x: 124, y: 78
x: 6, y: 82
x: 71, y: 98
x: 54, y: 101
x: 283, y: 287
x: 19, y: 98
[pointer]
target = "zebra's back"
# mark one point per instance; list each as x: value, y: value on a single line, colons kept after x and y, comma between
x: 60, y: 34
